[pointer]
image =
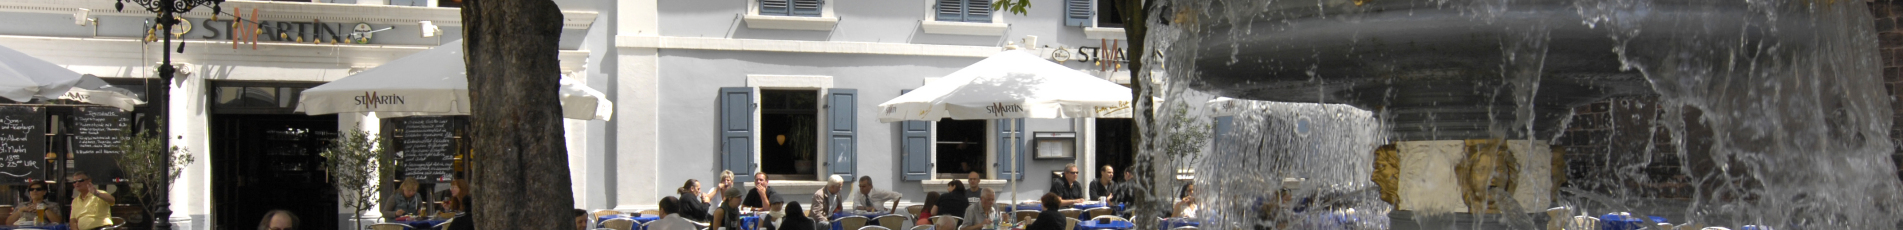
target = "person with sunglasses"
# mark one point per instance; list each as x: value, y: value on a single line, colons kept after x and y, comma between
x: 37, y: 210
x: 92, y: 209
x: 1068, y: 190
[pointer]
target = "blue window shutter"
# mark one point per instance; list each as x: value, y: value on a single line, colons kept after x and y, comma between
x: 808, y: 8
x: 916, y: 142
x: 776, y: 7
x: 1005, y: 152
x: 950, y: 10
x: 1223, y: 125
x: 842, y: 132
x: 736, y: 130
x: 978, y: 11
x: 1077, y: 12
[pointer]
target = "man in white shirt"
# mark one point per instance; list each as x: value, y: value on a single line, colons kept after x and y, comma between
x: 984, y: 215
x: 874, y: 200
x: 669, y: 219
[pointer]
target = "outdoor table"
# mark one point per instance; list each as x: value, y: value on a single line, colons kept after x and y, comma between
x: 47, y: 227
x: 420, y: 224
x: 1032, y: 207
x: 747, y: 222
x: 1093, y: 225
x: 1620, y: 222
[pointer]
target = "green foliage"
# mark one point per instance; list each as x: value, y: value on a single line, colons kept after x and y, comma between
x: 142, y: 161
x: 1018, y: 7
x: 353, y: 161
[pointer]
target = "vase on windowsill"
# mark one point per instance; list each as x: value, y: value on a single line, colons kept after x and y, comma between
x: 803, y: 166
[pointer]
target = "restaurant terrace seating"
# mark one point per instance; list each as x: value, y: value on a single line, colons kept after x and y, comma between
x: 388, y: 226
x: 619, y: 224
x: 851, y: 222
x: 895, y: 221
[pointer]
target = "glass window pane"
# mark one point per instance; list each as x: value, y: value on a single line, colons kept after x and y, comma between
x: 260, y: 96
x: 227, y: 96
x: 287, y: 96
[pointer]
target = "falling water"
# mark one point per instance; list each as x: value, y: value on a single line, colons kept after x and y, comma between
x: 1772, y: 113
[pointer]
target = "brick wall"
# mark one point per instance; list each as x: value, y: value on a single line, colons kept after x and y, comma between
x: 1890, y: 47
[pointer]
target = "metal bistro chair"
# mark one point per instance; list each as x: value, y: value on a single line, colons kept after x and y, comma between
x: 1184, y: 228
x: 922, y: 227
x: 120, y: 223
x: 1110, y: 217
x: 874, y: 227
x: 914, y: 209
x: 618, y: 224
x: 1100, y: 211
x: 389, y: 226
x: 1072, y: 212
x: 1070, y: 223
x: 606, y: 213
x: 651, y: 212
x: 895, y: 221
x: 851, y: 222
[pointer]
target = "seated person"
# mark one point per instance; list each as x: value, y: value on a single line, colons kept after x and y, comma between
x: 1186, y: 207
x: 795, y: 219
x: 670, y: 217
x: 1050, y: 219
x: 762, y: 197
x: 37, y: 210
x: 581, y: 219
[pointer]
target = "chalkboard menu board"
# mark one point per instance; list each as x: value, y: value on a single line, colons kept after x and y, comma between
x: 22, y: 143
x: 97, y: 132
x: 428, y: 146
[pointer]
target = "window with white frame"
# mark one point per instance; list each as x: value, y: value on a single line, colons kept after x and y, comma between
x: 790, y: 15
x: 788, y: 127
x: 800, y: 8
x: 962, y: 11
x: 1092, y: 13
x: 789, y: 132
x: 962, y: 17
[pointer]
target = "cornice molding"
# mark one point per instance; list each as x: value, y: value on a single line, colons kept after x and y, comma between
x: 290, y: 11
x: 763, y: 45
x: 128, y: 52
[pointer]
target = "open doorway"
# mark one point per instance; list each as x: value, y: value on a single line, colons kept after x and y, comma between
x: 265, y: 162
x: 1113, y: 145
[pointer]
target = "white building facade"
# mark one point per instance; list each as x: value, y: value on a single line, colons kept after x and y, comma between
x: 791, y: 88
x: 781, y: 87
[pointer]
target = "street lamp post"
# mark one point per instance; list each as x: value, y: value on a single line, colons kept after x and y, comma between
x: 167, y: 9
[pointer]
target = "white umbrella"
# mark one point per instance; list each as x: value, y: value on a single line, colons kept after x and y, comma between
x: 1010, y: 84
x: 428, y: 83
x: 24, y: 78
x: 92, y: 90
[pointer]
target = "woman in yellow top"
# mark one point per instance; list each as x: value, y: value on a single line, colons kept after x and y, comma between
x: 92, y: 209
x: 37, y: 210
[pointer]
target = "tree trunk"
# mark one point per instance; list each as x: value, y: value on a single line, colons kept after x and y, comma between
x: 519, y: 179
x: 1135, y: 27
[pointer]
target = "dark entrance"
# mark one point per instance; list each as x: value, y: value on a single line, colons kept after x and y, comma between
x: 1113, y: 145
x: 961, y: 148
x: 265, y: 157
